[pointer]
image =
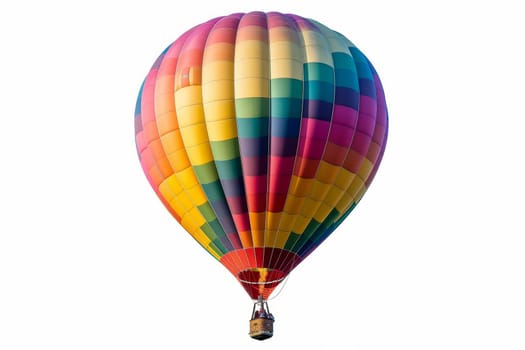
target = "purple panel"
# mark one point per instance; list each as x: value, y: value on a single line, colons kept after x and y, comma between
x: 345, y: 116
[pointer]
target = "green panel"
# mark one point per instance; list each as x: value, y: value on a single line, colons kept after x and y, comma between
x: 286, y: 87
x: 206, y: 173
x: 225, y: 150
x: 252, y: 127
x: 208, y: 230
x: 251, y: 107
x: 318, y: 71
x: 229, y: 169
x: 308, y: 233
x: 217, y: 250
x: 290, y: 243
x: 207, y: 211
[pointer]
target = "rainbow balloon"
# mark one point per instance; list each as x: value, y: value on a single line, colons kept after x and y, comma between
x: 260, y: 133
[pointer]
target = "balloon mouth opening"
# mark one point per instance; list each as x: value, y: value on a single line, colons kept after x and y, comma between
x: 261, y: 276
x: 260, y: 281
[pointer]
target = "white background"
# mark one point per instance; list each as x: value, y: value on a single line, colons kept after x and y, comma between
x: 432, y: 258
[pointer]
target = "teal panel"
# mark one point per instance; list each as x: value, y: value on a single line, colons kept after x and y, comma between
x: 252, y: 127
x: 343, y: 61
x: 213, y: 191
x: 229, y: 169
x: 287, y: 107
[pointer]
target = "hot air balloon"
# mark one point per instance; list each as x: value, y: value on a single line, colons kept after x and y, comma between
x: 260, y: 133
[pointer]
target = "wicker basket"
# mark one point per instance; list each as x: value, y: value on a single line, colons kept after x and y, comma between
x: 261, y: 328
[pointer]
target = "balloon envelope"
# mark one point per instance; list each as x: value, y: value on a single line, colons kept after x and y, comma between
x: 260, y: 132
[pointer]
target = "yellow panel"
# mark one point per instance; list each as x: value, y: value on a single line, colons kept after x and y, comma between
x: 252, y: 87
x: 365, y: 169
x: 257, y: 221
x: 185, y: 201
x: 360, y: 193
x: 270, y: 238
x: 355, y: 186
x: 287, y: 221
x: 194, y: 135
x: 317, y: 53
x: 250, y: 49
x: 300, y: 224
x: 333, y: 196
x: 177, y: 207
x: 170, y: 187
x: 218, y: 110
x: 190, y: 115
x: 216, y: 70
x: 309, y: 207
x: 187, y: 178
x: 312, y: 37
x: 196, y: 217
x: 344, y: 203
x: 293, y: 204
x: 273, y: 220
x: 187, y: 96
x: 196, y: 193
x: 188, y: 226
x: 201, y: 237
x: 217, y: 90
x: 200, y: 154
x: 286, y: 50
x: 319, y: 190
x: 327, y: 172
x: 222, y: 130
x: 322, y: 212
x: 282, y: 237
x: 284, y: 68
x: 179, y: 160
x: 258, y: 238
x: 344, y: 179
x: 252, y: 67
x: 300, y: 187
